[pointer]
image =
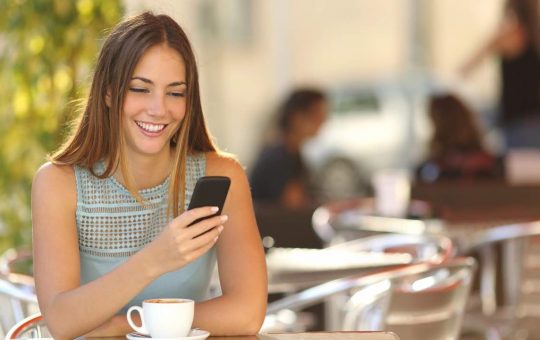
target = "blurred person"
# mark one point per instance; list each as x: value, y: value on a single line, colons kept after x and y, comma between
x: 517, y: 43
x: 456, y: 151
x: 279, y: 174
x: 110, y: 226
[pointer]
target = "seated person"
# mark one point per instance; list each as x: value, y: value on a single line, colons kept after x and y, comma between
x: 279, y: 174
x: 110, y: 226
x: 456, y: 150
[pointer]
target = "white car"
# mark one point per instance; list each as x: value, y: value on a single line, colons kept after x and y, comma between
x: 368, y: 128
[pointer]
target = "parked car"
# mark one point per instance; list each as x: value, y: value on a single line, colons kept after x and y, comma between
x: 368, y: 128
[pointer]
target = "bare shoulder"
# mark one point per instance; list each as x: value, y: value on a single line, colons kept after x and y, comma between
x: 223, y: 164
x: 54, y: 181
x: 52, y: 172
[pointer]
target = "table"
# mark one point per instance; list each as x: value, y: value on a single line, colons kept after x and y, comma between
x: 290, y: 269
x: 480, y: 200
x: 349, y: 335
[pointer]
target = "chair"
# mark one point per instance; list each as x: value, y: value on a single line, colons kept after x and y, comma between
x: 292, y: 269
x: 17, y: 301
x: 345, y: 220
x: 32, y: 327
x: 519, y: 278
x: 423, y: 300
x: 16, y: 266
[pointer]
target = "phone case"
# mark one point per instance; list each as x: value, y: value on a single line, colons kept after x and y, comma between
x: 210, y: 191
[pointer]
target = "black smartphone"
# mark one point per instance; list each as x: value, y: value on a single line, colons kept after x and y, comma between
x: 210, y: 191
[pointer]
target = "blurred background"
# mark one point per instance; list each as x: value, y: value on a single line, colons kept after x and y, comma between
x: 378, y: 61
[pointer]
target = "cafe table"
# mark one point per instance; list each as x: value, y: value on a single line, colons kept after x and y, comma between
x: 291, y: 269
x: 346, y: 335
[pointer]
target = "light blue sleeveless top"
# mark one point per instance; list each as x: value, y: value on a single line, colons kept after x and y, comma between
x: 112, y: 226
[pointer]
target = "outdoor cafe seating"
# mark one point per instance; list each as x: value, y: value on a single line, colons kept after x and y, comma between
x: 352, y: 238
x: 424, y: 298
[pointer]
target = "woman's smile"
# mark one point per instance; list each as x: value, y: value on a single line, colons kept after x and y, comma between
x: 151, y: 129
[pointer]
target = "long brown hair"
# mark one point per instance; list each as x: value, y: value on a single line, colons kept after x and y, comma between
x: 454, y: 126
x: 97, y: 134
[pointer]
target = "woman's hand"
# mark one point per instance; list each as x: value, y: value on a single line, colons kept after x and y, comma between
x: 181, y: 243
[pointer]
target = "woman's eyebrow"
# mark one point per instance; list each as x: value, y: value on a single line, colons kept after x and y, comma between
x: 148, y: 81
x: 177, y: 83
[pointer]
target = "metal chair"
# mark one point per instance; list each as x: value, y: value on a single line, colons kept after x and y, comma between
x: 16, y: 302
x: 292, y: 269
x: 16, y: 266
x: 346, y: 220
x: 519, y: 276
x: 32, y: 327
x: 423, y: 300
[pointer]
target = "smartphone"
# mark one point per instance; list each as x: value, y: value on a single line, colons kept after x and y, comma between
x: 210, y: 191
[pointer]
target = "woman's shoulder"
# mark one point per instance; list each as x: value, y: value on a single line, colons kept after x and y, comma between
x: 55, y: 178
x: 219, y: 163
x: 51, y: 170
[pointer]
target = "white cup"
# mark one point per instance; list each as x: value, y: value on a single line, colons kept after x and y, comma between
x: 392, y: 192
x: 164, y: 318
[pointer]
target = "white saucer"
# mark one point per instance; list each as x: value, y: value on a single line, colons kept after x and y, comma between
x: 194, y: 334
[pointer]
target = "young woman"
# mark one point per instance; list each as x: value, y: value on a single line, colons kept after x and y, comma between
x: 279, y: 175
x: 516, y: 43
x: 456, y: 149
x: 109, y: 209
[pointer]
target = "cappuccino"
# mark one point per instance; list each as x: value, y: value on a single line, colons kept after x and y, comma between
x: 164, y: 318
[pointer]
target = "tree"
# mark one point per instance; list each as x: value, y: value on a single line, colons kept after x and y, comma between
x: 47, y: 49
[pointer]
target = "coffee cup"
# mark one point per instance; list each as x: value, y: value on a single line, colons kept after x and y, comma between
x: 164, y: 318
x: 392, y: 192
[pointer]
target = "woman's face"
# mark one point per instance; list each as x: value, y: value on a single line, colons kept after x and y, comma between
x: 155, y: 102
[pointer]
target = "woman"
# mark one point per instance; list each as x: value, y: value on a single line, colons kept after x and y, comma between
x: 109, y: 219
x: 279, y: 175
x: 456, y: 151
x: 517, y: 44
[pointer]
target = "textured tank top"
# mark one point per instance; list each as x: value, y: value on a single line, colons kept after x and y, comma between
x: 112, y: 226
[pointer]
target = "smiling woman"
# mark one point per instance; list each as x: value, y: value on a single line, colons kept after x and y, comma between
x: 155, y: 103
x: 109, y: 209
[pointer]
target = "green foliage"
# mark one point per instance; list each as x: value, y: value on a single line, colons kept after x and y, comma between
x: 47, y: 50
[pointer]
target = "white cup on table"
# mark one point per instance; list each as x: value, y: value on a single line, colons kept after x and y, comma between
x: 164, y: 318
x: 392, y: 192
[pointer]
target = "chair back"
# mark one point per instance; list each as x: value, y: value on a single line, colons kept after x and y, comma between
x: 430, y: 304
x: 292, y: 269
x: 421, y: 248
x: 31, y: 327
x: 17, y: 301
x: 520, y: 250
x: 424, y: 300
x: 345, y: 220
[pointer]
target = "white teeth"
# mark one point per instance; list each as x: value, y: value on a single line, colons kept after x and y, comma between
x: 151, y: 127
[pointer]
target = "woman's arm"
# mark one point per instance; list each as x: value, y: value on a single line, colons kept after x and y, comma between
x: 242, y: 267
x: 509, y: 40
x: 71, y: 310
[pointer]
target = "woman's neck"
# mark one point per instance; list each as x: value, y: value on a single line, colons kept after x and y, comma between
x: 293, y: 142
x: 146, y: 172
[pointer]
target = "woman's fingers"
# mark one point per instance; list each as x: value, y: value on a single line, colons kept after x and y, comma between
x: 195, y: 254
x: 190, y: 216
x: 182, y: 243
x: 209, y: 237
x: 203, y: 219
x: 205, y: 225
x: 189, y: 249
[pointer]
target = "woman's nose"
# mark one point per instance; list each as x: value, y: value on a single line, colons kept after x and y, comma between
x: 157, y: 105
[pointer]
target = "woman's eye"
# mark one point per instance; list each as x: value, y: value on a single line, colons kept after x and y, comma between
x: 177, y: 94
x: 138, y: 90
